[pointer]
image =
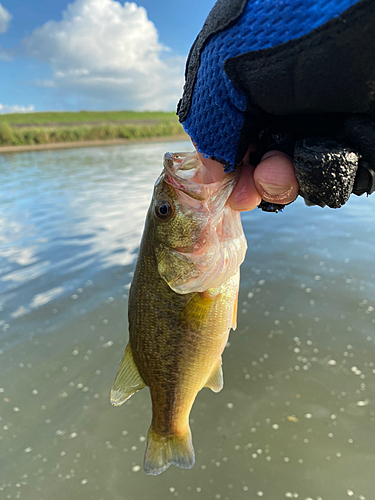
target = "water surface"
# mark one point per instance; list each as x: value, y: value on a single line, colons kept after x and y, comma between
x: 296, y: 417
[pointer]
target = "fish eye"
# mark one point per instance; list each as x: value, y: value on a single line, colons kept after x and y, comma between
x: 163, y: 209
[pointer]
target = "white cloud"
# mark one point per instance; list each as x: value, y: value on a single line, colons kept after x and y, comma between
x: 5, y: 17
x: 16, y: 108
x: 109, y: 54
x: 5, y: 55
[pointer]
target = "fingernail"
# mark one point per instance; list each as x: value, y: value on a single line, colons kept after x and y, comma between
x: 274, y: 190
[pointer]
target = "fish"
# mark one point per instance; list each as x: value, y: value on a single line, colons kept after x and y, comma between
x: 182, y: 303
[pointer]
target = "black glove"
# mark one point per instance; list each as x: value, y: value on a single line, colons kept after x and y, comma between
x: 300, y: 72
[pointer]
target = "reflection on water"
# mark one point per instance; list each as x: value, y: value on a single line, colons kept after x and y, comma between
x: 296, y: 418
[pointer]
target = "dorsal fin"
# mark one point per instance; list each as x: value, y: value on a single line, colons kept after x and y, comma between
x: 216, y: 381
x: 127, y: 381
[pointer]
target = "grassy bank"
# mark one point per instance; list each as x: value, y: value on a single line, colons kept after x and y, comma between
x: 66, y: 117
x: 56, y: 127
x: 10, y: 136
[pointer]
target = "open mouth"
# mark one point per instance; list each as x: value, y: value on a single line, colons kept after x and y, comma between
x: 221, y: 246
x: 187, y: 174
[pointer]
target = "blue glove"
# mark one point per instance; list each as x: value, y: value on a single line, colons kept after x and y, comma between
x: 303, y: 67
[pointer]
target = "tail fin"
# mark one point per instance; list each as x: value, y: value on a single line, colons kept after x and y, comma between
x: 162, y: 451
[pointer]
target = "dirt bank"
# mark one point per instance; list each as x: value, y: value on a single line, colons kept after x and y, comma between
x: 85, y: 144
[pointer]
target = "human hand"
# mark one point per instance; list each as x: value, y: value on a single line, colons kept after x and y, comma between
x: 303, y: 69
x: 273, y: 180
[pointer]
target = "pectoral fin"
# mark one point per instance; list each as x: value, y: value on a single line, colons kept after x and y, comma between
x: 195, y: 314
x: 216, y: 381
x: 127, y: 381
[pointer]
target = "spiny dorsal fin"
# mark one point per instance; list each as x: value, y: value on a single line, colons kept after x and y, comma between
x: 216, y: 381
x: 127, y: 381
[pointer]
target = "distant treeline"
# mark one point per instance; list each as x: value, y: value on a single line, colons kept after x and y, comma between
x: 10, y: 136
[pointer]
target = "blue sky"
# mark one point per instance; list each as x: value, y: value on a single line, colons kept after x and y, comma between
x: 95, y: 54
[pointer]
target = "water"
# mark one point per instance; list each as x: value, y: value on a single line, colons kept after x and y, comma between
x: 296, y: 418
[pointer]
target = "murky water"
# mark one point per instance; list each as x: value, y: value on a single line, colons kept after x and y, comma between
x: 296, y: 418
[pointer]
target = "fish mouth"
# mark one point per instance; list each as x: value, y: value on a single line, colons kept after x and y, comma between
x: 221, y: 246
x: 187, y: 174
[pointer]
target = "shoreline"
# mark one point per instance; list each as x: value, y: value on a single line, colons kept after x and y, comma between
x: 85, y: 144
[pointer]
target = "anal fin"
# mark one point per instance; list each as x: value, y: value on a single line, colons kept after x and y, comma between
x: 127, y: 381
x: 216, y: 380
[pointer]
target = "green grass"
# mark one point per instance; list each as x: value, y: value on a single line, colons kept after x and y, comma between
x: 52, y: 127
x: 11, y: 136
x: 85, y: 116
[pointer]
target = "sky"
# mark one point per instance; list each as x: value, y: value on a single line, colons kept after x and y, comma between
x: 95, y: 54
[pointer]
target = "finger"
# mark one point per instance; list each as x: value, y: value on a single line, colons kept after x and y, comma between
x: 215, y: 168
x: 245, y: 195
x: 274, y: 178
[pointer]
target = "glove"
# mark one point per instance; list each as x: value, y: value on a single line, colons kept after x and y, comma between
x: 302, y: 72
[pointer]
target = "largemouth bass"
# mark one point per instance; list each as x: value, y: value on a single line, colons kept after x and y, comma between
x: 182, y: 303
